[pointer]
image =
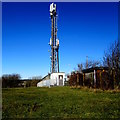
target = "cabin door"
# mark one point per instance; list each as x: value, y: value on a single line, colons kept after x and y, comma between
x: 60, y: 80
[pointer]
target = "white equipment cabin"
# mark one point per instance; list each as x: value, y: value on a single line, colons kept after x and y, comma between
x: 56, y: 79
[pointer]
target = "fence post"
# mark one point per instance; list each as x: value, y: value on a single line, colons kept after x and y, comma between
x: 94, y: 78
x: 83, y: 79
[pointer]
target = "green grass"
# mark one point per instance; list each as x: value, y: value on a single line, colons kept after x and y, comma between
x: 61, y: 102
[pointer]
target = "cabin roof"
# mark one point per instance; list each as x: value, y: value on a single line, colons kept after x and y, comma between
x: 94, y: 68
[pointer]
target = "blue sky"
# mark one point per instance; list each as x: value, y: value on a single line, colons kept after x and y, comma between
x: 84, y: 29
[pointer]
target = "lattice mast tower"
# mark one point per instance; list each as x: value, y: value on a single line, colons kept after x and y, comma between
x: 54, y: 42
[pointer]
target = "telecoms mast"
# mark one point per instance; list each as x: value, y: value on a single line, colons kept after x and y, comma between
x: 54, y: 42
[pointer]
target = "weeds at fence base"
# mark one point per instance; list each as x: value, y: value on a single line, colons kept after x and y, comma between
x: 116, y: 90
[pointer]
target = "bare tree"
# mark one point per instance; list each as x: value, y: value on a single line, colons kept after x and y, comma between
x: 80, y: 67
x: 112, y: 61
x: 10, y: 80
x: 36, y: 77
x: 94, y: 63
x: 90, y: 64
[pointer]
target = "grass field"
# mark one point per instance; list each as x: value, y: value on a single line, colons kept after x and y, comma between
x: 59, y: 102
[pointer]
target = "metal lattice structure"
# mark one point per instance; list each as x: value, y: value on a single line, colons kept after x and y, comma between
x: 54, y: 42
